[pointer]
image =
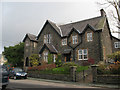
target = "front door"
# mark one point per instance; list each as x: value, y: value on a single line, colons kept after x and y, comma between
x: 67, y: 57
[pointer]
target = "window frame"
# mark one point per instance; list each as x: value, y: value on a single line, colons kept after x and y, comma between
x: 45, y: 56
x: 47, y: 38
x: 118, y: 44
x: 64, y: 41
x: 82, y: 54
x: 90, y: 37
x: 75, y: 39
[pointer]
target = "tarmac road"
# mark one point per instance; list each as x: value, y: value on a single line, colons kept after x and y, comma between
x: 29, y: 84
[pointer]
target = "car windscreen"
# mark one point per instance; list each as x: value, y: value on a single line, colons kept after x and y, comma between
x: 18, y: 70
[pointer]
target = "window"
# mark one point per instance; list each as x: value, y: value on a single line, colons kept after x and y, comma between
x: 74, y: 39
x: 45, y: 56
x: 35, y: 44
x: 64, y: 41
x: 47, y: 38
x: 89, y: 36
x: 27, y: 43
x: 117, y: 44
x: 82, y: 54
x: 54, y: 58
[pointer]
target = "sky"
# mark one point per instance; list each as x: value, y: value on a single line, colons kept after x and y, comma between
x: 19, y: 18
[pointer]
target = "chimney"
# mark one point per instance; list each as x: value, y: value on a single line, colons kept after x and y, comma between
x: 103, y: 13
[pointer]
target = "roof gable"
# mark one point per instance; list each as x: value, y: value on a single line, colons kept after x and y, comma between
x: 50, y: 47
x: 31, y: 37
x: 54, y: 26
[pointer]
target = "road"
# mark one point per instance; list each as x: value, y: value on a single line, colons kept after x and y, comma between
x: 27, y: 84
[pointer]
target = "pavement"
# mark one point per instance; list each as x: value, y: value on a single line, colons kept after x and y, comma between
x: 79, y: 83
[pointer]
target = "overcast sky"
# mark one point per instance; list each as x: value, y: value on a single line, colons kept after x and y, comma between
x: 19, y: 18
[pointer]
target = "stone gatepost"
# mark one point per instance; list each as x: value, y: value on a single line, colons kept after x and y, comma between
x: 94, y: 72
x: 73, y: 73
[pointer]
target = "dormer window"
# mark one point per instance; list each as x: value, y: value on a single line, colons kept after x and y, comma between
x: 47, y: 38
x: 89, y: 36
x: 75, y: 39
x: 117, y: 44
x: 64, y: 41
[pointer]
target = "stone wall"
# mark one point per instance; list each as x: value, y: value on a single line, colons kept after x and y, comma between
x: 108, y: 79
x: 73, y: 76
x: 104, y: 79
x: 61, y: 77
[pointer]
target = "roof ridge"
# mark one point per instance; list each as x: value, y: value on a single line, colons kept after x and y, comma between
x: 81, y: 21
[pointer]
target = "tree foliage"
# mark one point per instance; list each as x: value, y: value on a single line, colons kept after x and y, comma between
x: 115, y: 56
x: 15, y: 54
x: 34, y: 59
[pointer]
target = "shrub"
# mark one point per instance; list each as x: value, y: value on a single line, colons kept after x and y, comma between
x: 69, y: 64
x: 58, y: 61
x: 115, y: 56
x: 34, y: 59
x: 42, y: 67
x: 50, y: 58
x: 81, y: 68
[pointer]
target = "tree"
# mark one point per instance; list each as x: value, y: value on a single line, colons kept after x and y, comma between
x: 34, y: 59
x: 116, y: 6
x: 15, y: 54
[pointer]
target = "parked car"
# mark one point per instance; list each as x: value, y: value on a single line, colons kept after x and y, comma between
x: 16, y: 73
x: 4, y: 76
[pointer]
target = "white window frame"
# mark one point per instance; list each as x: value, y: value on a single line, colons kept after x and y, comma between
x: 75, y: 39
x: 89, y: 36
x: 82, y: 54
x: 54, y: 58
x: 45, y: 56
x: 64, y: 41
x: 117, y: 44
x: 27, y: 43
x: 47, y: 38
x: 34, y: 44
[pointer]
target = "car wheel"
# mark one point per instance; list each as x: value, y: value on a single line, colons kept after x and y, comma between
x: 25, y: 77
x: 15, y: 77
x: 4, y: 87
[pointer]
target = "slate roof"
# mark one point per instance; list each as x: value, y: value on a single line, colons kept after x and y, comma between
x: 31, y: 37
x: 80, y: 25
x: 50, y: 47
x: 97, y: 23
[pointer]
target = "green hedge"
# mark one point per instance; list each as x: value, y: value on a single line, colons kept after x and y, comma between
x: 64, y: 69
x: 81, y: 68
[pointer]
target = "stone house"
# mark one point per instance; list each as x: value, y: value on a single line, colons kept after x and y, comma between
x: 77, y: 41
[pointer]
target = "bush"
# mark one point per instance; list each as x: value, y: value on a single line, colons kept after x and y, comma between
x: 81, y: 68
x: 34, y: 59
x: 115, y: 56
x: 69, y: 64
x: 42, y: 67
x: 50, y: 58
x: 109, y: 69
x: 58, y: 61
